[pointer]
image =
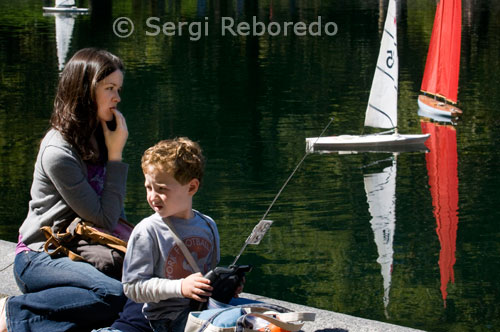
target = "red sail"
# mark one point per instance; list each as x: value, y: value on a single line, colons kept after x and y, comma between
x: 443, y: 181
x: 443, y: 59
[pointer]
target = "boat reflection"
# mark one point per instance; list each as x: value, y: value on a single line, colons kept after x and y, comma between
x: 64, y: 23
x: 380, y: 188
x: 380, y: 191
x: 443, y: 181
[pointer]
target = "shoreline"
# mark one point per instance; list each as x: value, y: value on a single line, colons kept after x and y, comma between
x: 326, y: 321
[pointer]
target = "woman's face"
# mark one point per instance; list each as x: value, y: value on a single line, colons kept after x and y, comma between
x: 108, y: 95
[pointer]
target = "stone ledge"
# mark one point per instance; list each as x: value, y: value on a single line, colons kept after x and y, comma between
x: 326, y: 321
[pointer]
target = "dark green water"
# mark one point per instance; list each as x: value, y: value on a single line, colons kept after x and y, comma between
x: 250, y: 102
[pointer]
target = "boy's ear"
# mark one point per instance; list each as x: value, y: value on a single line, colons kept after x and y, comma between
x: 194, y: 184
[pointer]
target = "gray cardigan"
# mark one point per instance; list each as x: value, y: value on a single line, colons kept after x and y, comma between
x: 61, y: 191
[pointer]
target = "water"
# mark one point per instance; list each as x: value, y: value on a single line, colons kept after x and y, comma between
x: 250, y: 102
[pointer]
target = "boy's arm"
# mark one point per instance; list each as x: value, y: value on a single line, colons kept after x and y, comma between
x: 195, y: 286
x: 153, y: 290
x: 140, y: 283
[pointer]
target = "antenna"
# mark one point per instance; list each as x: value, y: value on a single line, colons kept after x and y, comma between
x: 263, y: 226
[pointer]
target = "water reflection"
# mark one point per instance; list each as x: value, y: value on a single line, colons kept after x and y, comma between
x: 380, y: 191
x: 443, y: 181
x: 64, y: 23
x: 65, y: 13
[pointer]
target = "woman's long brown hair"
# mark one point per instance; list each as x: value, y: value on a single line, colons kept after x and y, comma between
x: 75, y: 106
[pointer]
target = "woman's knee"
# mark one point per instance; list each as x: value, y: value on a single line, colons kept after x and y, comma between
x: 24, y: 263
x: 106, y: 287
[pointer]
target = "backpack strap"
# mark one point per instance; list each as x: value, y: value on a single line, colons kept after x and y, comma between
x: 185, y: 250
x: 180, y: 243
x: 53, y: 245
x: 86, y: 230
x: 291, y: 322
x: 214, y: 253
x: 57, y: 242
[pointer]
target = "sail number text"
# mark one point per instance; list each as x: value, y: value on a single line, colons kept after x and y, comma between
x: 390, y: 59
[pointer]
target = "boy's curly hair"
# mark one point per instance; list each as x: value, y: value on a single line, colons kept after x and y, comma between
x: 179, y: 157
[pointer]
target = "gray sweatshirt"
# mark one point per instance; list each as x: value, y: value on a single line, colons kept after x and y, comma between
x: 154, y: 264
x: 61, y: 191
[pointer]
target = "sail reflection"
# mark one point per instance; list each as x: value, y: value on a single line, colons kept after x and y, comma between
x: 64, y: 23
x: 64, y: 31
x: 443, y: 181
x: 65, y: 13
x: 380, y: 191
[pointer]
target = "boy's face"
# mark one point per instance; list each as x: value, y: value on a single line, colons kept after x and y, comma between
x: 167, y: 196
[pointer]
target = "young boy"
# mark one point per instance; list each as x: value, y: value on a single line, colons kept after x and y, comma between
x: 155, y: 270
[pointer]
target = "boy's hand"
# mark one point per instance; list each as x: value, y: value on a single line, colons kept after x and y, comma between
x: 195, y: 286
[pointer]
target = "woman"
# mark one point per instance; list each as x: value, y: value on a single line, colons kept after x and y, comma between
x: 78, y: 173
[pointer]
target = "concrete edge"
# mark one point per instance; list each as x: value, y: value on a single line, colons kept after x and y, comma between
x: 326, y: 321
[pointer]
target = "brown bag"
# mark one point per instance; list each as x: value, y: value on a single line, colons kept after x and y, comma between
x: 83, y: 242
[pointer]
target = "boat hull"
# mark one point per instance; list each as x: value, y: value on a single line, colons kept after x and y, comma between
x: 65, y: 10
x: 368, y: 143
x: 433, y: 106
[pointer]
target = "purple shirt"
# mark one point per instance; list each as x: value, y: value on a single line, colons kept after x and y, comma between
x: 96, y: 176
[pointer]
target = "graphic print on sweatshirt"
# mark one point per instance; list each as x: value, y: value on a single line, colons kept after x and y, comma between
x: 176, y: 265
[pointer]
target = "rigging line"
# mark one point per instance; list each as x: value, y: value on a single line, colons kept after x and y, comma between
x: 393, y: 130
x: 391, y: 158
x: 295, y: 170
x: 385, y: 132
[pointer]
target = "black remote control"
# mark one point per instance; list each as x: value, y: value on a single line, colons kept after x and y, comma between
x: 225, y: 281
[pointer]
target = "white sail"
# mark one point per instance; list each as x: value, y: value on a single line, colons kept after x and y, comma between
x: 381, y: 111
x: 65, y: 3
x: 380, y: 191
x: 64, y: 30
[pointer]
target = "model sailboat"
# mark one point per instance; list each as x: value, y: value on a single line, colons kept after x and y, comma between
x: 381, y: 111
x: 65, y: 6
x: 440, y: 81
x: 380, y: 191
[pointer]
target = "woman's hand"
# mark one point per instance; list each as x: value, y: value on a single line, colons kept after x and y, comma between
x: 115, y: 140
x: 195, y: 286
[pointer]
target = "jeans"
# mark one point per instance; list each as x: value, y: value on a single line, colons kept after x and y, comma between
x: 167, y: 325
x: 61, y: 295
